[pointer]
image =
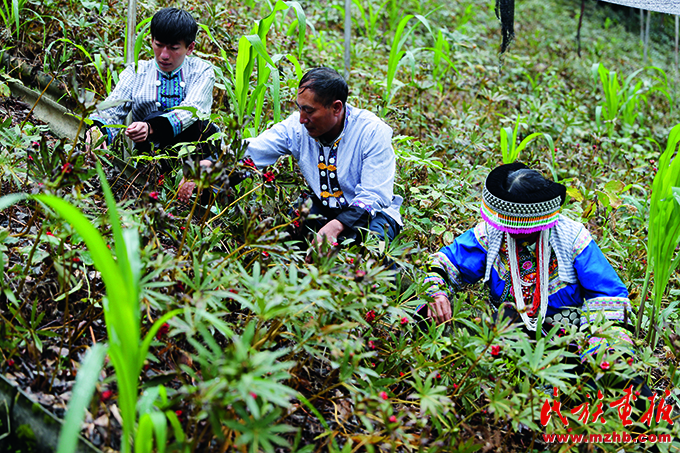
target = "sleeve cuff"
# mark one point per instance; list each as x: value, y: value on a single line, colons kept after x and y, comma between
x: 619, y: 338
x: 612, y: 308
x: 161, y: 127
x: 354, y: 217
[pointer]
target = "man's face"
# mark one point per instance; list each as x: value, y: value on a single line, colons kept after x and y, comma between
x: 320, y: 122
x: 170, y: 56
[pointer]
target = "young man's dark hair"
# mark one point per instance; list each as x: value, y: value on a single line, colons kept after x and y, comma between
x: 327, y: 84
x: 172, y: 25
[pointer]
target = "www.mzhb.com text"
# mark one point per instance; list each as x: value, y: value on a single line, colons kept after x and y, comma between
x: 609, y: 438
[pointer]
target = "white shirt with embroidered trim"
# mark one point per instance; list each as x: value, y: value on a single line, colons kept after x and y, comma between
x: 366, y: 162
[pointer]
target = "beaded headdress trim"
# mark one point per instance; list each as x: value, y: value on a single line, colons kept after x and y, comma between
x: 513, y: 217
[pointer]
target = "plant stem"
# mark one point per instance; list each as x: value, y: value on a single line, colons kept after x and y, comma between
x: 643, y: 298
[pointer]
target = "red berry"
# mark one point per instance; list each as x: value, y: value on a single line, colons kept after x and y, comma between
x: 605, y: 365
x: 106, y: 395
x: 383, y: 395
x: 370, y: 316
x: 393, y: 418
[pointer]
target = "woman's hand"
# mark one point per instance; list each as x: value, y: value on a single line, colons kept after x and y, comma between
x: 439, y: 309
x: 92, y: 137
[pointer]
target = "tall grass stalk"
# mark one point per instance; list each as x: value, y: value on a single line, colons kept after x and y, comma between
x: 80, y: 397
x: 664, y: 230
x: 370, y: 15
x: 99, y: 64
x: 10, y: 10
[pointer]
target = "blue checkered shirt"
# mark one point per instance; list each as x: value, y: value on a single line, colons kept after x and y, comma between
x: 150, y: 90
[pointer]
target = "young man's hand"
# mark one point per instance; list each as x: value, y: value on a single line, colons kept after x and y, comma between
x: 139, y: 131
x: 440, y: 309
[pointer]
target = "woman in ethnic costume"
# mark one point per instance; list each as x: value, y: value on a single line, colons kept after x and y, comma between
x: 534, y: 260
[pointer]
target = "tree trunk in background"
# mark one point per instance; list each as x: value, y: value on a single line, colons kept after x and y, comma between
x: 348, y: 36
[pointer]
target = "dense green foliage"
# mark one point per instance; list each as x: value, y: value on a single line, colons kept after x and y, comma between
x: 267, y: 351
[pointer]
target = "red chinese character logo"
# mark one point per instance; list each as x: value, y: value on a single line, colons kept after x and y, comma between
x: 584, y: 410
x: 663, y: 410
x: 623, y: 403
x: 599, y: 411
x: 547, y: 410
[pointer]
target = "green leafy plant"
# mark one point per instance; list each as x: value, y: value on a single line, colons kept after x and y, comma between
x: 99, y: 61
x: 81, y: 396
x: 252, y: 49
x: 370, y: 14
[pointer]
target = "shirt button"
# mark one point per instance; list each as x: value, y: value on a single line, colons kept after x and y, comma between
x: 158, y: 83
x: 158, y: 104
x: 182, y: 84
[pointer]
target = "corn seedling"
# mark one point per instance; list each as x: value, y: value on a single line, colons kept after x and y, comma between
x: 511, y: 150
x: 121, y: 305
x: 81, y: 396
x: 369, y: 15
x: 441, y: 62
x: 622, y: 101
x: 252, y: 49
x: 664, y: 229
x: 396, y: 55
x: 142, y: 31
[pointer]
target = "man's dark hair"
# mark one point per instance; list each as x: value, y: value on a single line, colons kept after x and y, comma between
x: 327, y: 85
x: 172, y: 25
x: 525, y: 181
